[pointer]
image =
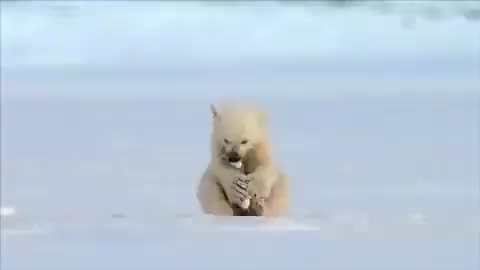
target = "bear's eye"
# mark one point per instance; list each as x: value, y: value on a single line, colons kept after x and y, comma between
x: 226, y: 141
x: 244, y: 142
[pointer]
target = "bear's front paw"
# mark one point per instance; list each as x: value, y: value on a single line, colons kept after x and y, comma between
x: 240, y: 194
x: 258, y: 205
x: 257, y: 186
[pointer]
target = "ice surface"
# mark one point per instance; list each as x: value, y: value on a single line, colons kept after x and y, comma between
x: 235, y: 243
x: 374, y: 112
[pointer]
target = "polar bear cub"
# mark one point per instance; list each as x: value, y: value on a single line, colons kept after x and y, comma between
x: 242, y: 179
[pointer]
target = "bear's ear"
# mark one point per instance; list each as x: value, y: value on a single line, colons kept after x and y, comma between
x: 214, y: 111
x: 263, y: 118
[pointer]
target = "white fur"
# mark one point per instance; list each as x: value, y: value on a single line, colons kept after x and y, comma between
x: 236, y: 123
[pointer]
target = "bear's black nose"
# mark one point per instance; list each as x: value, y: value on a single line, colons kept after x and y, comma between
x: 233, y: 157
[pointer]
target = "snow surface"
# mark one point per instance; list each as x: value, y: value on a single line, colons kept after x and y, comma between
x: 374, y: 112
x: 205, y: 242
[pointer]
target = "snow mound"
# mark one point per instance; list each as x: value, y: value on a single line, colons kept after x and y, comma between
x: 7, y: 211
x: 247, y: 224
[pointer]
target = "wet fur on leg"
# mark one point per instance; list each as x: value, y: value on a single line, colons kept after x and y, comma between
x: 251, y: 161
